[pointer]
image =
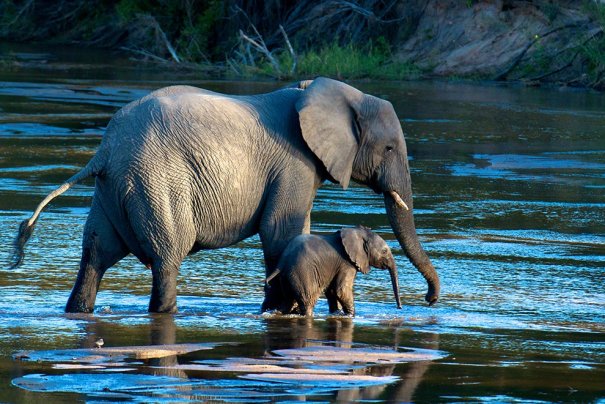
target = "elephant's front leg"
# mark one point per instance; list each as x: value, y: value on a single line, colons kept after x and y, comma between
x: 348, y: 303
x: 344, y: 291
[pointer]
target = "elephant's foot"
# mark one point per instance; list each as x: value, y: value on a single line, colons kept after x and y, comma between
x: 163, y: 300
x: 79, y: 305
x: 82, y: 297
x: 163, y: 290
x: 156, y: 306
x: 271, y: 302
x: 308, y: 312
x: 266, y: 306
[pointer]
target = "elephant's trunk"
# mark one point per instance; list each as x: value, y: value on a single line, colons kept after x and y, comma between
x: 402, y: 222
x: 395, y: 283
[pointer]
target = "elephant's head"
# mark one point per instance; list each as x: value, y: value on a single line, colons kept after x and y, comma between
x: 358, y: 136
x: 366, y: 248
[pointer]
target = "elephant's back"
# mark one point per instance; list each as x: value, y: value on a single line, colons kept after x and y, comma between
x: 213, y: 158
x: 309, y: 248
x: 188, y: 153
x: 208, y: 129
x: 179, y: 125
x: 310, y: 262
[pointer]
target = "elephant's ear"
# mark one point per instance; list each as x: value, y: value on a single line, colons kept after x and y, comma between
x: 328, y: 110
x: 354, y: 244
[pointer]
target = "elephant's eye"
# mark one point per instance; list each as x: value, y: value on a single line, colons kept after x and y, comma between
x: 389, y: 148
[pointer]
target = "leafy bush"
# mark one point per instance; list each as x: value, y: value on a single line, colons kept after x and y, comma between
x: 593, y: 50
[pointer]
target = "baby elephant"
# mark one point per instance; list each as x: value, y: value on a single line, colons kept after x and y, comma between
x: 313, y: 264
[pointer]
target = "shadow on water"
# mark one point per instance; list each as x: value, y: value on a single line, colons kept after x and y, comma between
x: 509, y: 204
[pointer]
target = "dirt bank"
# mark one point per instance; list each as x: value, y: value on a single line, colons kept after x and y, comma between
x: 537, y: 41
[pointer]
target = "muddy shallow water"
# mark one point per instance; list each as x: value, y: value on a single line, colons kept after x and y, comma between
x: 510, y: 204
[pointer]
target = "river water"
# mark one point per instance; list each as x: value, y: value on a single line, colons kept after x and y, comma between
x: 510, y: 204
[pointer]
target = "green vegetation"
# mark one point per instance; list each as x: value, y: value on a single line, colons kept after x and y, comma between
x: 233, y: 36
x: 192, y: 25
x: 352, y: 62
x: 341, y: 62
x: 593, y: 49
x: 340, y: 38
x: 540, y: 61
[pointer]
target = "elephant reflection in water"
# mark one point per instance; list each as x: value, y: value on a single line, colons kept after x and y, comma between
x: 162, y: 331
x: 302, y: 332
x: 285, y: 333
x: 405, y: 388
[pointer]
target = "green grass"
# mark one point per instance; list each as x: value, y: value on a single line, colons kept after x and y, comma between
x: 341, y: 62
x: 349, y: 62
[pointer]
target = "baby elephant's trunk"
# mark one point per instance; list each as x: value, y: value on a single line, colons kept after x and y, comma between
x: 395, y: 283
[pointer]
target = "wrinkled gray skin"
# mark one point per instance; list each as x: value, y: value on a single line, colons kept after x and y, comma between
x: 311, y: 265
x: 185, y: 169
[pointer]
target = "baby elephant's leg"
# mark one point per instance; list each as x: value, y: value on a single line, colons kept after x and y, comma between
x: 333, y: 302
x: 345, y: 297
x: 288, y: 306
x: 306, y: 305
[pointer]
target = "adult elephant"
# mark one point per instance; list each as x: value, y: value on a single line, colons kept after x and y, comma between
x: 184, y: 169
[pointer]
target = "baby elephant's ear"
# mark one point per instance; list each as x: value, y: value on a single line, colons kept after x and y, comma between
x: 353, y: 242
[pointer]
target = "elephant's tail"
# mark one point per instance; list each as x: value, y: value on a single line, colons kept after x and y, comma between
x: 26, y: 229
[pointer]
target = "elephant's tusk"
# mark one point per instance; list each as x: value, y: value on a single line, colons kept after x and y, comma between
x: 398, y: 200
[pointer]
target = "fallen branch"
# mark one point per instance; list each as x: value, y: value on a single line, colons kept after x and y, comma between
x: 23, y: 9
x: 595, y: 33
x: 347, y: 5
x: 144, y: 53
x: 168, y: 45
x: 248, y: 56
x: 258, y: 43
x: 558, y: 70
x: 233, y: 66
x: 262, y: 48
x: 149, y: 22
x: 290, y: 49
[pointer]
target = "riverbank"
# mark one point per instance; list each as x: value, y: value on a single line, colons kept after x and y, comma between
x: 534, y: 43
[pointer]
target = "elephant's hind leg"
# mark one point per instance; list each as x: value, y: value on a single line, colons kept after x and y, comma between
x: 163, y: 290
x: 288, y: 306
x: 164, y: 228
x: 306, y: 304
x: 102, y: 247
